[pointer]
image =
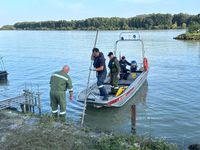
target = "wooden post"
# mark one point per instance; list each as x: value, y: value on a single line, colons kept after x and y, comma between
x: 32, y: 103
x: 24, y: 107
x: 133, y: 119
x: 24, y: 104
x: 39, y: 104
x: 29, y: 103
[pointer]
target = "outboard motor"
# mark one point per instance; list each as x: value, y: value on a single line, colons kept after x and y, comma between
x: 133, y: 66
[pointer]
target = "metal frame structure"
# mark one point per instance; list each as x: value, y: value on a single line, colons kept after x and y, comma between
x: 28, y: 101
x: 134, y: 38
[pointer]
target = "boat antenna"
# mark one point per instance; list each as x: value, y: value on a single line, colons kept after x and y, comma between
x: 88, y: 82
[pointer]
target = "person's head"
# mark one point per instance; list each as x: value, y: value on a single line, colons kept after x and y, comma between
x: 110, y: 55
x: 123, y: 58
x: 66, y: 68
x: 95, y: 52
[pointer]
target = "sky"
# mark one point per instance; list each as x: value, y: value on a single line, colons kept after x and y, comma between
x: 12, y: 11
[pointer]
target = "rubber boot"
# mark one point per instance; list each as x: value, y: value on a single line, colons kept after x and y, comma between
x: 100, y: 91
x: 114, y: 91
x: 55, y: 116
x: 62, y: 118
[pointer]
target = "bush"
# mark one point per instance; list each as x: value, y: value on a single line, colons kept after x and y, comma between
x: 194, y: 28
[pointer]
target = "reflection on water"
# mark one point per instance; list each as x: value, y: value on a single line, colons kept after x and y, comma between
x: 199, y: 49
x: 3, y: 89
x: 116, y: 119
x: 3, y: 82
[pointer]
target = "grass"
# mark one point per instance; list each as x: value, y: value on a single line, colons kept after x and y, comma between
x: 133, y: 143
x: 45, y: 134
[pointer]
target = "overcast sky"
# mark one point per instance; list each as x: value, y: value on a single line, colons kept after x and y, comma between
x: 12, y: 11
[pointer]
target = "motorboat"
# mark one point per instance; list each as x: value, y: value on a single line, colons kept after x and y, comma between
x: 127, y: 88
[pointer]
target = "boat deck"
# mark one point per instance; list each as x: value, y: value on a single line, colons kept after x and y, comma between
x: 94, y: 95
x: 127, y: 82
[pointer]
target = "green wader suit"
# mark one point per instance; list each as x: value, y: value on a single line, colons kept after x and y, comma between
x: 59, y: 83
x: 114, y: 72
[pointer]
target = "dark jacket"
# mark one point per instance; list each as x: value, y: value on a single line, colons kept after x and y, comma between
x: 123, y: 64
x: 100, y: 61
x: 114, y: 65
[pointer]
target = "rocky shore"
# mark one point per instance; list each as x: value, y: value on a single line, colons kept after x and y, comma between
x: 188, y: 36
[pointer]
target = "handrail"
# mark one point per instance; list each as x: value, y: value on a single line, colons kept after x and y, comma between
x: 143, y: 51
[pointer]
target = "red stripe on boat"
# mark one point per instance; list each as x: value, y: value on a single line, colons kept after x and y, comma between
x: 121, y: 97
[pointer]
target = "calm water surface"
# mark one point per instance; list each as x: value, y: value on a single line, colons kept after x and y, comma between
x: 167, y: 104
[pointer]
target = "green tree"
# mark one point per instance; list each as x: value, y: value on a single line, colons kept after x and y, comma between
x: 174, y: 26
x: 149, y: 21
x: 8, y: 27
x: 184, y: 25
x: 180, y: 19
x: 194, y: 28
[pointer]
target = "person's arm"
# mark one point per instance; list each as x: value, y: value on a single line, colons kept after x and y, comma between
x: 128, y: 63
x: 100, y: 68
x: 102, y: 63
x: 70, y: 88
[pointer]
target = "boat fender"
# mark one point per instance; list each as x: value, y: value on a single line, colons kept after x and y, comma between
x: 121, y: 90
x: 145, y: 61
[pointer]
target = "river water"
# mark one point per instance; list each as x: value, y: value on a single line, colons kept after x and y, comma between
x: 167, y: 104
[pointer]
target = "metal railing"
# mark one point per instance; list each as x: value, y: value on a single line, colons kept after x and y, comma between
x: 28, y: 101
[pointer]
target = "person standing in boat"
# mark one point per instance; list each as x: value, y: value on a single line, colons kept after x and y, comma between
x: 59, y: 83
x: 114, y: 72
x: 100, y: 68
x: 124, y: 71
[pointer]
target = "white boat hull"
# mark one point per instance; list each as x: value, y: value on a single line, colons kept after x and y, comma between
x: 114, y: 101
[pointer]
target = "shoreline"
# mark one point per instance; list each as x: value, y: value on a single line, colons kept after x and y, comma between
x: 188, y: 36
x: 27, y: 131
x: 100, y: 30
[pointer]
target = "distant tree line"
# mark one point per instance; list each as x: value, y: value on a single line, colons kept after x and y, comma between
x: 149, y: 21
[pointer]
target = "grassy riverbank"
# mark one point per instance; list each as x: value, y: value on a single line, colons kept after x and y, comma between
x: 188, y: 36
x: 18, y: 131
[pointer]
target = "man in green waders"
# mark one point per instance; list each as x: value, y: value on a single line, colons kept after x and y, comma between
x: 114, y: 72
x: 59, y: 83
